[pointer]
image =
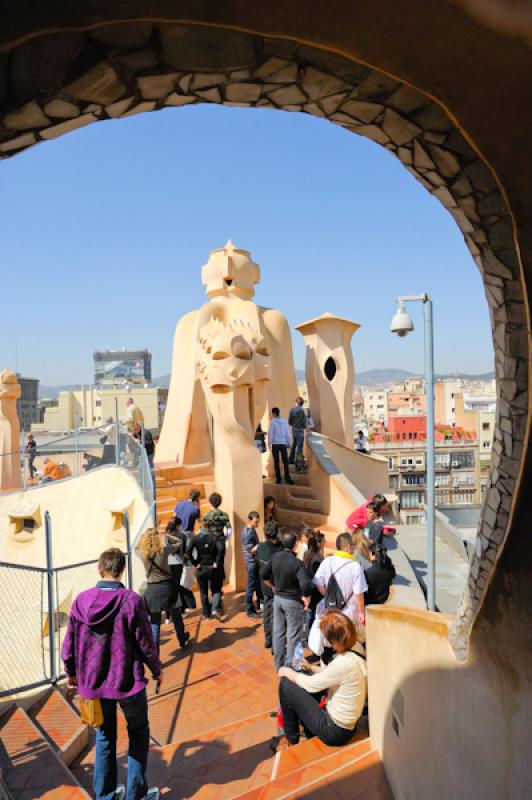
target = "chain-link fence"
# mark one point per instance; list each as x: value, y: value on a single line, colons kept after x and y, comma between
x: 23, y: 627
x: 35, y: 603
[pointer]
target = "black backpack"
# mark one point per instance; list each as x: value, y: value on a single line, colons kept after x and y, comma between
x: 333, y: 594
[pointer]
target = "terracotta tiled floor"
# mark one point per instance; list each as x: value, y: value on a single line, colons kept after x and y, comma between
x: 212, y: 723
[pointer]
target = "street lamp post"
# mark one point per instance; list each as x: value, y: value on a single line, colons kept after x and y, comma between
x: 402, y: 325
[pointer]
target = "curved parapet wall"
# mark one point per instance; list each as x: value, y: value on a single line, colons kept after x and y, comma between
x: 435, y: 719
x: 343, y: 478
x: 86, y: 515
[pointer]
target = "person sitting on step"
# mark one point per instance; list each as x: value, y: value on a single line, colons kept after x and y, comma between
x: 344, y: 679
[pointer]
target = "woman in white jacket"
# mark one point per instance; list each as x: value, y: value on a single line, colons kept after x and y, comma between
x: 344, y: 679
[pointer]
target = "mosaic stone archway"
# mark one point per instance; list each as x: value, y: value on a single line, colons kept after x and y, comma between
x: 56, y: 83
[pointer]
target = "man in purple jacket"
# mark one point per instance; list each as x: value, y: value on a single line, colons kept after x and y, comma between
x: 107, y: 643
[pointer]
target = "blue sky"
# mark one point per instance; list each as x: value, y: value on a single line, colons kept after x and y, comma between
x: 104, y: 232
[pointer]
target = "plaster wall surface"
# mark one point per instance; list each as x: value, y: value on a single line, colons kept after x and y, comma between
x: 81, y: 514
x: 444, y: 729
x: 343, y: 478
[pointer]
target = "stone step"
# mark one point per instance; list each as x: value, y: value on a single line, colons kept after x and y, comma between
x: 31, y: 767
x: 349, y: 772
x: 295, y: 516
x: 279, y: 489
x: 172, y: 471
x: 220, y: 763
x: 59, y: 723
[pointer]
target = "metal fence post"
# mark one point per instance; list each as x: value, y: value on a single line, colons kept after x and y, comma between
x: 129, y: 554
x: 117, y: 424
x: 154, y: 502
x: 51, y: 600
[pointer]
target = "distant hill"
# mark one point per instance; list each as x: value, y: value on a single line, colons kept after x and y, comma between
x: 381, y: 377
x: 371, y: 377
x: 53, y: 391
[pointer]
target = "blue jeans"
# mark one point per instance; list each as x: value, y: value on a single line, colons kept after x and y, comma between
x: 298, y: 440
x: 252, y: 585
x: 177, y: 619
x: 135, y: 710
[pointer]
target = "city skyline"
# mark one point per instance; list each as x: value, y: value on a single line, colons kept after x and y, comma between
x: 133, y: 207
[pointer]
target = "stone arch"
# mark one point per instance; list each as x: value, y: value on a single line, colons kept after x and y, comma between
x: 59, y: 82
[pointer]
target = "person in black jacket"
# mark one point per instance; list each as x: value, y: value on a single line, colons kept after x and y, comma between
x: 287, y: 576
x: 206, y: 551
x: 265, y: 551
x: 147, y: 439
x: 379, y: 577
x: 312, y: 560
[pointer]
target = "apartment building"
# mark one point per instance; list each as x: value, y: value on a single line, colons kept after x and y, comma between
x: 457, y: 465
x: 28, y: 402
x: 375, y: 405
x: 89, y: 407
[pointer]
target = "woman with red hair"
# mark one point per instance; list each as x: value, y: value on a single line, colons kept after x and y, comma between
x: 345, y: 680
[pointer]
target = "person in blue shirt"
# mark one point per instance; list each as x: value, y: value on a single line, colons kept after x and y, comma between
x: 250, y: 542
x: 188, y: 512
x: 279, y: 440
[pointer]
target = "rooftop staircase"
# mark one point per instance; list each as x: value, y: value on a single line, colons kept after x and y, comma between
x: 39, y: 740
x: 297, y: 503
x: 173, y: 484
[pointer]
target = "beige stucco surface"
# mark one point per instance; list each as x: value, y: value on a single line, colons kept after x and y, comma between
x: 328, y: 343
x: 85, y: 514
x: 232, y: 361
x: 343, y: 478
x: 81, y: 514
x: 457, y: 722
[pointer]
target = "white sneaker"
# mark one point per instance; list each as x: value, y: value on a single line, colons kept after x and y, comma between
x: 152, y: 794
x: 120, y: 792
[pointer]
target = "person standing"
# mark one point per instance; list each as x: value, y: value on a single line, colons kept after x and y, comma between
x: 107, y: 643
x: 206, y: 551
x: 144, y: 437
x: 220, y: 524
x: 161, y: 592
x: 269, y: 509
x: 288, y: 578
x: 297, y: 419
x: 134, y: 415
x: 265, y: 552
x: 31, y: 452
x: 312, y: 561
x: 108, y: 440
x: 188, y: 512
x: 279, y: 440
x: 250, y: 542
x: 349, y: 576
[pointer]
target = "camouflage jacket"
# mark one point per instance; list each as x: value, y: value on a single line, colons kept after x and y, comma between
x: 218, y: 519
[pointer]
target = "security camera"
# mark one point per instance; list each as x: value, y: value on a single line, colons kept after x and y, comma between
x: 402, y: 322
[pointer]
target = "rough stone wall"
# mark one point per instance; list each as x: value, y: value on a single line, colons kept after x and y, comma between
x: 61, y: 82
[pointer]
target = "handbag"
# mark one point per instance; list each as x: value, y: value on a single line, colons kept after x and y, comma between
x: 143, y: 588
x: 188, y: 578
x: 316, y: 640
x: 91, y: 712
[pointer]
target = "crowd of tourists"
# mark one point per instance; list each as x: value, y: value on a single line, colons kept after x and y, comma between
x: 303, y: 597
